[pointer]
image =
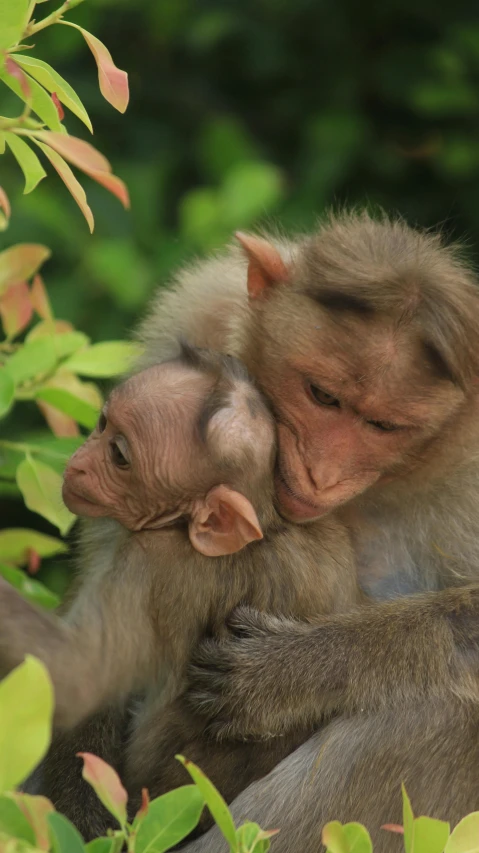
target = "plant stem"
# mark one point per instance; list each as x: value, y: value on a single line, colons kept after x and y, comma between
x: 50, y: 19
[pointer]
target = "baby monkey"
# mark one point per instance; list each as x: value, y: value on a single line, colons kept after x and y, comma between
x: 177, y: 478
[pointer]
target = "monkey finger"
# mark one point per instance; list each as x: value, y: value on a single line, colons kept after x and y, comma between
x: 211, y: 655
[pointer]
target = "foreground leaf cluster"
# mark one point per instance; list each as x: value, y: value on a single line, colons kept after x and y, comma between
x: 29, y: 824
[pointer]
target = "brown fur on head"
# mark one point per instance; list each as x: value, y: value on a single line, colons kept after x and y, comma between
x: 190, y: 438
x: 365, y: 341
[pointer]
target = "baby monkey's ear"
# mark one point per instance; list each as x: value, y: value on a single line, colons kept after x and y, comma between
x: 223, y: 523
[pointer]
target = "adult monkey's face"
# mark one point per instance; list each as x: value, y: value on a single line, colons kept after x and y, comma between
x: 361, y: 388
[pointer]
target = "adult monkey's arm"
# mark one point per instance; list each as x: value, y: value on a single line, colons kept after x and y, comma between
x: 273, y: 674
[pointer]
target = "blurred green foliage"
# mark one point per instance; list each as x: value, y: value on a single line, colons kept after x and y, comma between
x: 248, y: 113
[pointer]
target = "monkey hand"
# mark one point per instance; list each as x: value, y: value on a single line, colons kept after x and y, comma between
x: 251, y: 686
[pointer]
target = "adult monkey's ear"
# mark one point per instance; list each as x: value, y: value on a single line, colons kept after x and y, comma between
x: 265, y: 264
x: 223, y: 523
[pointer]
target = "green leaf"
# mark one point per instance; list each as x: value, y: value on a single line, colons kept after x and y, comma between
x: 465, y: 836
x: 250, y: 838
x: 347, y: 838
x: 100, y: 845
x: 27, y: 160
x: 408, y: 820
x: 106, y: 359
x: 7, y: 392
x: 54, y: 82
x: 13, y: 821
x: 31, y: 589
x: 40, y: 101
x: 65, y: 838
x: 106, y: 784
x: 32, y: 360
x: 429, y: 836
x: 17, y: 541
x: 13, y: 20
x: 170, y: 818
x: 26, y: 711
x: 41, y: 487
x: 67, y: 403
x: 20, y: 262
x: 213, y: 800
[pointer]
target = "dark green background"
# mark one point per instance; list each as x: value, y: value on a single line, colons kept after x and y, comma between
x: 242, y: 112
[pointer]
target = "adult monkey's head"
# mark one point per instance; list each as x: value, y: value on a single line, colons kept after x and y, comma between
x: 366, y: 341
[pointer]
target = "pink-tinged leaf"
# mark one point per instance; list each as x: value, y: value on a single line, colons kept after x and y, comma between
x: 20, y: 262
x: 113, y: 184
x: 393, y: 827
x: 39, y: 299
x: 106, y: 784
x: 60, y: 110
x: 76, y: 151
x: 145, y: 804
x: 5, y: 206
x: 61, y: 425
x: 34, y: 561
x: 70, y: 182
x: 15, y: 71
x: 113, y: 82
x: 42, y: 330
x: 88, y: 159
x: 16, y: 309
x: 36, y: 809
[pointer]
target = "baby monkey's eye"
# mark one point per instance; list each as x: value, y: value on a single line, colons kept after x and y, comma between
x: 322, y: 397
x: 101, y: 423
x: 117, y: 456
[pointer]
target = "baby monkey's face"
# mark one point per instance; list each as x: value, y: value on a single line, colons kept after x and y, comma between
x: 147, y: 464
x: 142, y: 462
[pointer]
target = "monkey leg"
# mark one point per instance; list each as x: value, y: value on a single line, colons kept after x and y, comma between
x: 352, y: 771
x: 59, y: 776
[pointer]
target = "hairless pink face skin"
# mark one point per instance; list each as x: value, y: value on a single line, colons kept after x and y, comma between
x: 145, y: 465
x: 355, y: 403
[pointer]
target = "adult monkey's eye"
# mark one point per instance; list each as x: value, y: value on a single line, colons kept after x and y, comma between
x: 117, y: 456
x: 101, y: 423
x: 384, y: 426
x: 322, y: 397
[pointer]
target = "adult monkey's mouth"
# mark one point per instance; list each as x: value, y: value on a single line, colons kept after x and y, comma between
x: 293, y: 504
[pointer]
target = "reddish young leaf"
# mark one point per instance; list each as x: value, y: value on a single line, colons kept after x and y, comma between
x: 34, y: 561
x: 5, y: 206
x: 145, y: 803
x: 106, y: 783
x: 393, y: 827
x: 113, y: 82
x: 70, y: 182
x: 59, y: 108
x: 39, y: 299
x: 15, y: 71
x: 76, y: 151
x: 36, y: 809
x: 61, y: 425
x: 88, y: 159
x: 16, y: 309
x: 20, y: 262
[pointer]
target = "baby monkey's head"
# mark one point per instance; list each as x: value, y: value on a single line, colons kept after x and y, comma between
x: 187, y: 439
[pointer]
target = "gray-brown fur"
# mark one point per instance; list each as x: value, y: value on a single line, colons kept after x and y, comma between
x: 144, y: 602
x: 405, y: 674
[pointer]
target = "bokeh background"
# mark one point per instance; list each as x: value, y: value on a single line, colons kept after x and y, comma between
x: 243, y: 113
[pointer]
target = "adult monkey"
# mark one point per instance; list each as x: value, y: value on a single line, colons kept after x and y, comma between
x: 365, y: 338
